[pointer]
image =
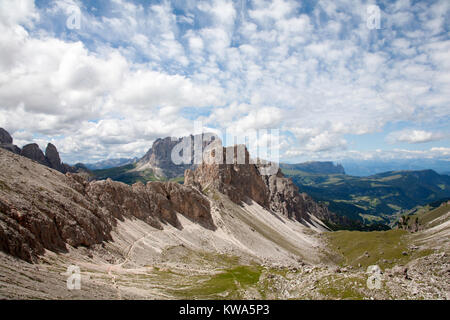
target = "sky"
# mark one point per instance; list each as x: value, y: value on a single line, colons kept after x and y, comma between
x: 337, y: 79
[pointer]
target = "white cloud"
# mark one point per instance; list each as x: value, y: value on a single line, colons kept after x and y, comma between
x: 135, y: 72
x: 413, y: 136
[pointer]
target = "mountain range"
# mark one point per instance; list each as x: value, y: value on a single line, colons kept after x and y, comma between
x: 227, y: 232
x: 373, y: 201
x: 378, y: 198
x: 362, y: 168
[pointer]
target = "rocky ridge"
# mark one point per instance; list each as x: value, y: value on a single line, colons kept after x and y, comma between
x: 243, y: 180
x: 32, y: 151
x: 6, y: 142
x: 41, y: 208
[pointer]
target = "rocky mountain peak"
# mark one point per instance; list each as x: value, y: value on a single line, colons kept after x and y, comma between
x: 159, y: 156
x: 52, y: 155
x: 5, y: 137
x: 231, y: 171
x: 33, y: 152
x: 6, y: 142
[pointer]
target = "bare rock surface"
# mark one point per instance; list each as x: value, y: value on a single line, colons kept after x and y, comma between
x: 52, y: 155
x: 242, y: 180
x: 5, y: 137
x: 40, y: 208
x: 6, y: 142
x: 33, y: 152
x: 159, y: 156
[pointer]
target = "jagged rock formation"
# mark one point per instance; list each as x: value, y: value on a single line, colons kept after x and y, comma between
x: 43, y: 209
x: 52, y: 155
x: 5, y: 137
x: 6, y: 142
x: 242, y: 180
x: 155, y: 203
x: 33, y: 152
x: 285, y: 198
x: 158, y: 157
x: 237, y: 181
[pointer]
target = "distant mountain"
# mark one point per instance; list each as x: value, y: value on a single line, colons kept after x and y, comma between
x: 110, y: 163
x: 376, y: 198
x: 159, y: 157
x: 319, y: 167
x: 155, y: 165
x: 364, y: 168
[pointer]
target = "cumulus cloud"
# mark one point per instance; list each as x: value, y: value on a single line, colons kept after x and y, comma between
x: 413, y: 136
x: 138, y: 70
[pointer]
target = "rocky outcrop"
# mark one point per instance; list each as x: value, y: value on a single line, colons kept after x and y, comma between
x: 239, y: 180
x: 285, y: 198
x: 11, y: 147
x: 156, y: 203
x: 6, y: 142
x: 5, y: 137
x: 52, y: 155
x: 242, y: 180
x: 44, y: 209
x: 33, y: 152
x: 158, y: 158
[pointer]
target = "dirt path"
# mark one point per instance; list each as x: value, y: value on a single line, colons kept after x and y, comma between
x: 119, y: 265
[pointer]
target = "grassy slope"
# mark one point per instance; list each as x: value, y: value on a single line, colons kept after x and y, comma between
x: 384, y: 248
x: 427, y: 215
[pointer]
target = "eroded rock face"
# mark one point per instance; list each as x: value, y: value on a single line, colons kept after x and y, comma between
x: 285, y: 198
x: 6, y: 142
x: 33, y: 152
x: 154, y: 203
x: 52, y: 155
x: 5, y: 137
x: 242, y: 179
x: 239, y: 180
x: 44, y: 209
x: 159, y: 156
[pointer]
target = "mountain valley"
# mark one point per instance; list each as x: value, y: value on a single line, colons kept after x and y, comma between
x: 227, y: 232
